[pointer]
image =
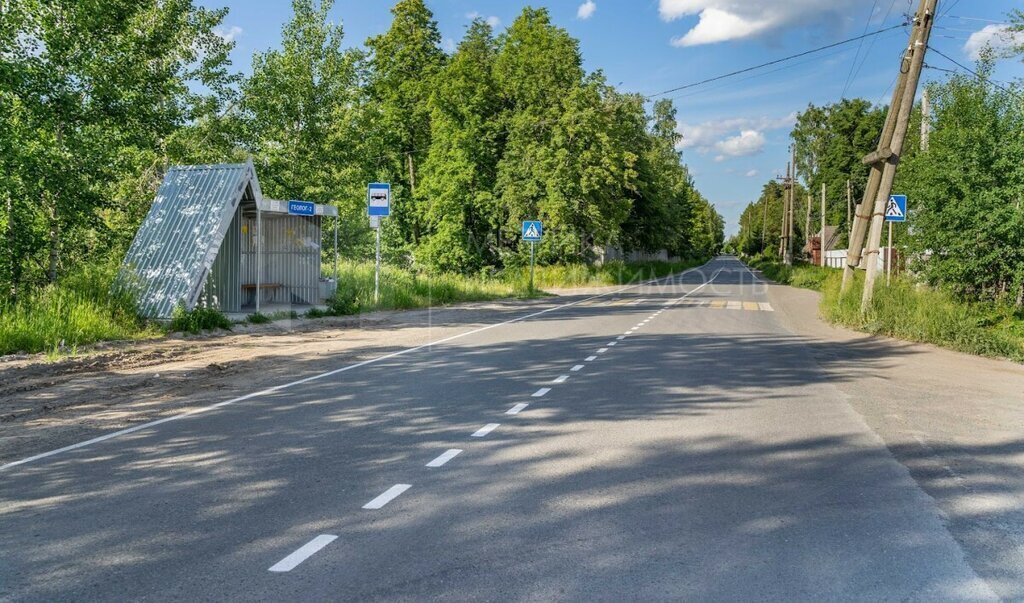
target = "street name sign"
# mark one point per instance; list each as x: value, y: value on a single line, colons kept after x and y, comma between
x: 301, y: 208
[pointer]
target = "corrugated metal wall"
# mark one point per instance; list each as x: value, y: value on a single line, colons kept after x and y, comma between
x: 224, y: 287
x: 291, y: 258
x: 169, y: 258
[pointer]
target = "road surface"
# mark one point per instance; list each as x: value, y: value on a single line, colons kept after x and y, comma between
x: 670, y: 441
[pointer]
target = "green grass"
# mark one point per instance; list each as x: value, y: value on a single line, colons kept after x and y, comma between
x: 403, y: 289
x: 909, y: 311
x: 916, y: 313
x: 582, y: 275
x: 57, y: 319
x: 805, y: 276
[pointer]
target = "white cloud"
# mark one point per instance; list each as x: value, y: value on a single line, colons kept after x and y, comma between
x: 586, y: 10
x: 723, y: 20
x: 748, y: 142
x: 752, y: 174
x: 493, y: 21
x: 228, y: 34
x: 706, y: 136
x: 998, y: 36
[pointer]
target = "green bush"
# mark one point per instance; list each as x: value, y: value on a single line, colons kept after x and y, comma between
x: 199, y: 319
x: 917, y: 313
x: 344, y: 302
x: 77, y: 311
x: 258, y: 318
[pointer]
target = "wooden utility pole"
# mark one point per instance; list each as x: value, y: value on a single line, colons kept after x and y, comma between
x: 926, y: 124
x: 882, y: 159
x: 807, y: 222
x: 785, y: 246
x: 822, y: 241
x: 923, y: 22
x: 849, y: 208
x: 791, y: 181
x: 764, y: 221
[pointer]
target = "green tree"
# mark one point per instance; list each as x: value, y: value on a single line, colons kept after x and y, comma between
x: 92, y: 92
x: 404, y: 63
x: 459, y: 172
x: 830, y: 142
x: 966, y: 211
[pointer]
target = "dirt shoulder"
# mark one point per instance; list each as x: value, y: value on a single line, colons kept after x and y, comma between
x: 955, y: 421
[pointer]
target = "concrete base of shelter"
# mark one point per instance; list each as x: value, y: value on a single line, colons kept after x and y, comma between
x: 271, y: 310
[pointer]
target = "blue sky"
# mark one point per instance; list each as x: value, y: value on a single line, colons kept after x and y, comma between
x: 735, y: 131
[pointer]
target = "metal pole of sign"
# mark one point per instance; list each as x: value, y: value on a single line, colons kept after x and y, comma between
x: 336, y: 220
x: 259, y: 253
x: 888, y: 259
x: 376, y: 274
x: 532, y: 246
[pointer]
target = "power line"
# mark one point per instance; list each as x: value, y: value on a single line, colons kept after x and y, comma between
x: 971, y: 71
x: 871, y: 13
x: 775, y: 62
x: 870, y: 46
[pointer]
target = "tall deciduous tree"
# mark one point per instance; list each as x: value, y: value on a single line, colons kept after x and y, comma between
x: 404, y: 64
x: 458, y: 175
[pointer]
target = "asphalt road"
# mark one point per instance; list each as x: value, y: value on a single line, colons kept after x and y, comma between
x: 672, y: 441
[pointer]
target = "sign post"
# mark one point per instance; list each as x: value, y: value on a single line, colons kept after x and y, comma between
x: 533, y: 231
x: 378, y: 206
x: 895, y: 211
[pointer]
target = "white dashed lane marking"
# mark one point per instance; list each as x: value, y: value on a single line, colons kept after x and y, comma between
x: 444, y: 458
x: 612, y: 344
x: 304, y: 552
x: 577, y: 368
x: 591, y: 358
x: 540, y: 393
x: 518, y: 408
x: 486, y: 429
x: 389, y: 495
x: 602, y: 350
x: 561, y: 379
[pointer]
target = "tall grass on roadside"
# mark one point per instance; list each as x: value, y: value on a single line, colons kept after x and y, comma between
x: 403, y: 289
x: 582, y: 275
x: 917, y: 313
x: 806, y: 276
x: 77, y: 311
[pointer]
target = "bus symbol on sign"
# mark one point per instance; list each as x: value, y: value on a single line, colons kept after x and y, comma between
x: 379, y: 199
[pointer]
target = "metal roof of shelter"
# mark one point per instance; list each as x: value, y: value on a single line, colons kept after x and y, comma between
x: 178, y: 241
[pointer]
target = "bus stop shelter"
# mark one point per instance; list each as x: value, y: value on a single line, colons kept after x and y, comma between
x: 212, y: 238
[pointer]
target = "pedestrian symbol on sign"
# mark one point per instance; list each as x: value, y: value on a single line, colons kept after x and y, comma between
x: 533, y: 230
x: 896, y: 209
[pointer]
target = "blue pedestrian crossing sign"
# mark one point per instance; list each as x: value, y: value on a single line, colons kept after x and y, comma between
x: 896, y: 209
x: 533, y: 230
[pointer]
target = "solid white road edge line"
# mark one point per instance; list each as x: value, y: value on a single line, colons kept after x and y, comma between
x: 518, y: 408
x: 389, y: 495
x: 540, y: 393
x: 486, y: 429
x: 277, y: 388
x: 304, y: 552
x: 444, y: 458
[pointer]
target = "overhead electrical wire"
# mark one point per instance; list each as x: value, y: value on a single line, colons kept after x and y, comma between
x: 867, y: 24
x: 870, y: 47
x: 775, y: 62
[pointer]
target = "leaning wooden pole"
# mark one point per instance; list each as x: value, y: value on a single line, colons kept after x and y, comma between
x: 925, y: 19
x: 862, y: 213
